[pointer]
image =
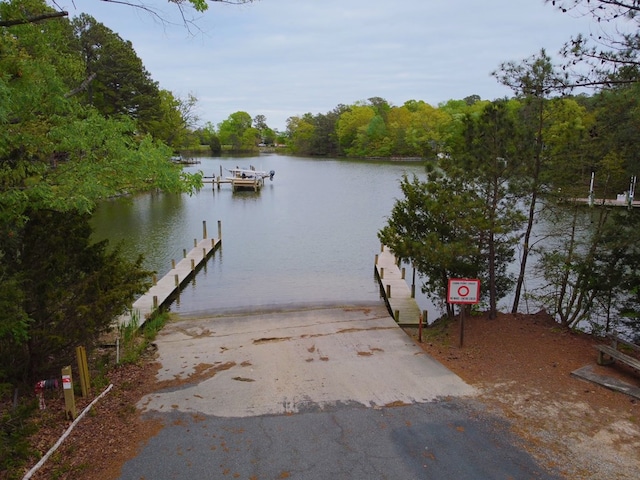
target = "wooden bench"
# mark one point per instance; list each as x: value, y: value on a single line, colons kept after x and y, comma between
x: 608, y: 354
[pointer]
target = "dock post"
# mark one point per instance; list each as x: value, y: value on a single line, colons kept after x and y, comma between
x: 184, y: 253
x: 154, y: 279
x: 376, y: 259
x: 155, y: 302
x: 413, y: 291
x: 195, y: 242
x: 204, y: 252
x: 177, y: 279
x: 425, y: 317
x: 204, y: 229
x: 381, y: 273
x: 219, y: 229
x: 173, y: 264
x: 388, y: 291
x: 396, y: 315
x: 403, y: 273
x: 382, y: 247
x: 193, y: 264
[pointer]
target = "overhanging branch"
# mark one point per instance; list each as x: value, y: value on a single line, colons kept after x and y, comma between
x: 37, y: 18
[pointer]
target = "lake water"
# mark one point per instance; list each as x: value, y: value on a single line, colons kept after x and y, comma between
x: 309, y: 236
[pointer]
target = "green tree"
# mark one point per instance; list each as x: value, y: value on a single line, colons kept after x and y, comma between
x: 71, y: 290
x: 351, y: 129
x: 436, y: 226
x: 120, y: 84
x: 237, y: 132
x: 534, y: 80
x: 490, y: 164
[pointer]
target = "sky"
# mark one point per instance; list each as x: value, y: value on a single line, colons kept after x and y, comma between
x: 283, y: 58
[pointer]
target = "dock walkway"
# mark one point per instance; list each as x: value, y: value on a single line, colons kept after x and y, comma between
x: 181, y: 272
x: 394, y: 290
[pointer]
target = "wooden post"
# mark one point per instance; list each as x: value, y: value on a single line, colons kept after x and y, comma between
x: 173, y: 264
x: 83, y: 369
x: 195, y: 242
x: 154, y: 279
x: 204, y: 229
x: 204, y: 252
x: 155, y: 302
x: 193, y: 265
x: 219, y: 230
x: 69, y: 398
x: 376, y: 259
x: 381, y: 273
x: 413, y: 283
x: 420, y: 328
x: 388, y: 291
x: 403, y: 273
x: 184, y: 253
x: 397, y: 316
x: 381, y: 247
x: 177, y: 279
x: 461, y: 325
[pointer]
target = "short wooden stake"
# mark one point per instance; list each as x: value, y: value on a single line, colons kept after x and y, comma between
x: 204, y: 252
x: 177, y: 279
x: 154, y: 279
x: 184, y: 253
x: 83, y: 370
x: 155, y: 302
x: 195, y: 242
x: 193, y: 264
x: 219, y: 229
x: 388, y: 291
x: 381, y: 273
x: 204, y: 229
x: 413, y: 291
x: 173, y: 264
x: 376, y: 259
x: 397, y: 316
x: 403, y: 272
x: 69, y: 398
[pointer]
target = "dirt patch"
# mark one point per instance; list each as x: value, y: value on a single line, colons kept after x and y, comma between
x: 522, y: 366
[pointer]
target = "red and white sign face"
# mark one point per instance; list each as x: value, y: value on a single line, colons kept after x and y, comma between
x: 463, y: 290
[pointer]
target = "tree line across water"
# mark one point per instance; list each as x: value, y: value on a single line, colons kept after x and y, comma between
x: 81, y: 121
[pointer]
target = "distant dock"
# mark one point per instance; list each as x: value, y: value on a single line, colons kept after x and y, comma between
x: 163, y: 290
x: 397, y: 295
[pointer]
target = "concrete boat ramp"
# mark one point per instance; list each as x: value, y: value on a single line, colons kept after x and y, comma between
x: 290, y: 361
x: 314, y: 393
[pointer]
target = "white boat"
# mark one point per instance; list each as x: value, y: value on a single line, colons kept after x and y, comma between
x: 248, y: 178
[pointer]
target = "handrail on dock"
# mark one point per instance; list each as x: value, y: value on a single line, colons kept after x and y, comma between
x: 163, y: 290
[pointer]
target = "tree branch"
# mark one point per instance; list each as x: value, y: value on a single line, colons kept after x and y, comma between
x: 37, y: 18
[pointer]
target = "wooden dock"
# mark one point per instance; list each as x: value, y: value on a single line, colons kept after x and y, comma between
x: 181, y: 272
x: 395, y: 291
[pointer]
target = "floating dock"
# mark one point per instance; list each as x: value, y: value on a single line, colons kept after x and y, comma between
x: 397, y: 295
x: 181, y: 272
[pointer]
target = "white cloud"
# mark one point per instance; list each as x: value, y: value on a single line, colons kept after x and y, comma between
x: 288, y: 57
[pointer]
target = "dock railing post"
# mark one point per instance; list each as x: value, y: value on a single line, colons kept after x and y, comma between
x: 204, y: 229
x: 173, y: 264
x: 219, y: 229
x: 388, y: 291
x: 195, y: 242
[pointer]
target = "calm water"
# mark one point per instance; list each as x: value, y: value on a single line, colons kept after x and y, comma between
x: 308, y: 237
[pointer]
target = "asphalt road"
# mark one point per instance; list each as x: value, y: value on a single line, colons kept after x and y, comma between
x: 316, y: 393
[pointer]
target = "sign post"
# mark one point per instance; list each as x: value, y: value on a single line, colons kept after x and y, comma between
x: 463, y: 291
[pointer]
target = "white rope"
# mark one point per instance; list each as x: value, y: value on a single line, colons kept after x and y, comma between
x: 64, y: 436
